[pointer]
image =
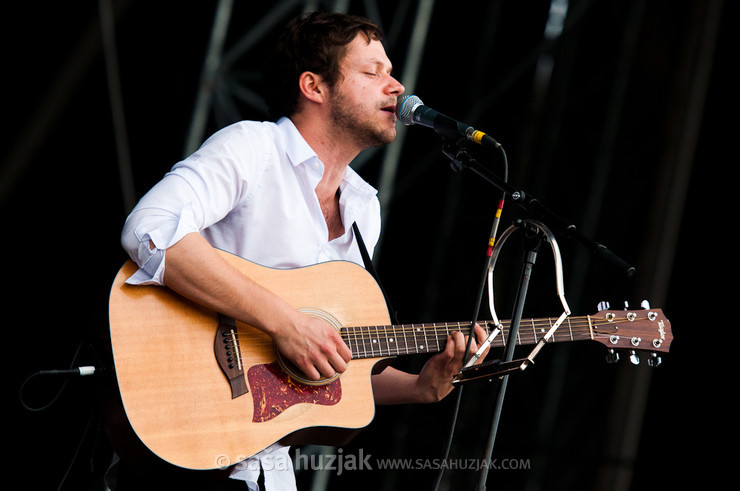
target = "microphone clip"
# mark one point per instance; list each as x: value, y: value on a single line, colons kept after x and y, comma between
x: 456, y: 150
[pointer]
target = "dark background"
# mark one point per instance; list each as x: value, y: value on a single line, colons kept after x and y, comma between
x: 628, y: 137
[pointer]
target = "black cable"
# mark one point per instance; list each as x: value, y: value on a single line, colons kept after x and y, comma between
x: 66, y: 374
x: 72, y: 371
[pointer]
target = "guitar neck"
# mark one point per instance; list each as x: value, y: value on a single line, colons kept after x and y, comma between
x: 408, y: 339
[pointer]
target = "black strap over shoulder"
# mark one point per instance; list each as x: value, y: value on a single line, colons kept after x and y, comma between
x: 371, y: 268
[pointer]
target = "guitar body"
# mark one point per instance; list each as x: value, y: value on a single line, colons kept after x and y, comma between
x: 178, y: 399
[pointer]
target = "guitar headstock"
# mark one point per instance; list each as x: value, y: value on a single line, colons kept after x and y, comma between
x: 633, y: 330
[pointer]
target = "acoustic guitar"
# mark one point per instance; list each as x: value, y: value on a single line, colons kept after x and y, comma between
x: 202, y: 391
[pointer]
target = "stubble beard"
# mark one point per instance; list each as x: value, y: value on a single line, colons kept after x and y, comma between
x: 353, y: 122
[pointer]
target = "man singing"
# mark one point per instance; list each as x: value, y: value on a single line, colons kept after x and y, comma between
x: 282, y: 194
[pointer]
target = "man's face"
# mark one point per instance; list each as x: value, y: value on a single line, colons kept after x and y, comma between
x: 363, y: 101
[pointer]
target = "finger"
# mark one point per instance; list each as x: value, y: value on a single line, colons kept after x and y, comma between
x: 338, y: 363
x: 309, y: 371
x: 449, y: 351
x: 344, y: 352
x: 335, y: 345
x: 315, y: 365
x: 472, y: 342
x: 328, y: 361
x: 337, y: 352
x: 481, y: 334
x: 326, y: 369
x: 458, y: 343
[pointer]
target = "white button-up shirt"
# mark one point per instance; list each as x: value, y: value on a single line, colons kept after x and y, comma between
x: 250, y: 190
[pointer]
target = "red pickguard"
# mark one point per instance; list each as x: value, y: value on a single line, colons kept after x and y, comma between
x: 273, y: 391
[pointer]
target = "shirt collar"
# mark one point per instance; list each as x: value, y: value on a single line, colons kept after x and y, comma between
x: 296, y: 147
x: 300, y: 152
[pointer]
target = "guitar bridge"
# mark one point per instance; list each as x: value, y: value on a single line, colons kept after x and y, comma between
x: 228, y: 355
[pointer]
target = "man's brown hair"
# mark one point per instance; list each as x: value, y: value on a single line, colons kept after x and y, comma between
x: 314, y: 42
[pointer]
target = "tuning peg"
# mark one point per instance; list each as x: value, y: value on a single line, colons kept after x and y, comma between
x: 645, y: 305
x: 634, y: 359
x: 655, y: 360
x: 603, y: 305
x: 612, y: 356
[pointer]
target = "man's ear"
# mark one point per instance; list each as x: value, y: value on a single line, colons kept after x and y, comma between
x: 312, y: 87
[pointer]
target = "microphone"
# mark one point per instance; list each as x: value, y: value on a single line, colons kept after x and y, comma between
x: 410, y: 110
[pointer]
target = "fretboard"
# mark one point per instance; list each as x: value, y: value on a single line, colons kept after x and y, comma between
x: 408, y: 339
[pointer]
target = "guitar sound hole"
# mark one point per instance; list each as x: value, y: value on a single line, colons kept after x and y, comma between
x: 294, y: 372
x: 297, y: 374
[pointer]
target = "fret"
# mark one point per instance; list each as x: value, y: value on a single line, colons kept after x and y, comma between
x: 554, y: 335
x: 405, y: 340
x: 570, y: 328
x: 364, y: 346
x: 374, y: 342
x: 426, y: 341
x: 436, y: 335
x: 349, y: 342
x: 393, y: 340
x: 534, y: 331
x: 367, y: 342
x: 417, y: 345
x: 383, y: 341
x: 358, y: 349
x: 390, y: 340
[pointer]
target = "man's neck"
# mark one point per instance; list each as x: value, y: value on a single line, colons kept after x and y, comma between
x: 335, y: 152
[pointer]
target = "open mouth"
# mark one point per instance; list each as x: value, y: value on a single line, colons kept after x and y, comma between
x: 389, y: 109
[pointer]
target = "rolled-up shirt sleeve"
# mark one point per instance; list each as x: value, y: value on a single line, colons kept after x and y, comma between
x: 159, y: 221
x: 196, y: 193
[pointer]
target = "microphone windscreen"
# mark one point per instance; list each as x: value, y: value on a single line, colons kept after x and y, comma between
x: 405, y: 108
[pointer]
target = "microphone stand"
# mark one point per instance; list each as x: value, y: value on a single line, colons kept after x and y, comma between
x: 457, y: 152
x: 460, y: 159
x: 532, y: 246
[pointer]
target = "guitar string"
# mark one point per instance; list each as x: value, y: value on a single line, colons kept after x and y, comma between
x: 373, y: 332
x: 360, y: 352
x: 380, y: 331
x: 575, y: 332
